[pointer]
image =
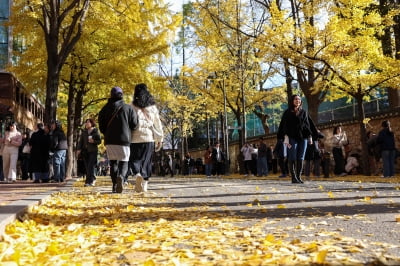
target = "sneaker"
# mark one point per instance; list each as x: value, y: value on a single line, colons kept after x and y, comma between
x: 145, y: 183
x: 139, y: 183
x: 89, y: 185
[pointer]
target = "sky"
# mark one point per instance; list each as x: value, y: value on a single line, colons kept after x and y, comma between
x: 176, y: 5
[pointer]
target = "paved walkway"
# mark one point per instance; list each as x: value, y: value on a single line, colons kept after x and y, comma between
x: 17, y: 197
x: 366, y: 211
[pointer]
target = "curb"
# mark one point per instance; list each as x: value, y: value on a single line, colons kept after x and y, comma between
x: 14, y: 211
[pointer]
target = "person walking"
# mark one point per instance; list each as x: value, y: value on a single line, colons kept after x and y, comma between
x: 88, y: 149
x: 262, y: 161
x: 116, y: 122
x: 208, y: 161
x: 339, y: 139
x: 24, y: 157
x: 59, y: 147
x: 297, y: 130
x: 146, y: 138
x: 388, y: 148
x: 40, y: 147
x: 280, y: 152
x: 218, y: 159
x: 12, y: 140
x: 247, y: 151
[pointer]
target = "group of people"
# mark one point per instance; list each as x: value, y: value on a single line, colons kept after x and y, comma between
x: 301, y: 142
x: 43, y: 154
x: 132, y: 132
x: 214, y: 161
x: 257, y: 159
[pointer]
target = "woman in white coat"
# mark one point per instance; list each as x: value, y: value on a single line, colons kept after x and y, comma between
x: 12, y: 140
x: 146, y: 138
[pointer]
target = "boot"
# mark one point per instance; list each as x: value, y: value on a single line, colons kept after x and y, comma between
x: 291, y: 165
x: 118, y: 186
x: 299, y: 169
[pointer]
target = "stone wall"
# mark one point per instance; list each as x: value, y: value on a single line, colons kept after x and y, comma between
x: 352, y: 129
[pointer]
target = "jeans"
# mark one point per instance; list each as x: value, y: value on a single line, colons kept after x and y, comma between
x: 388, y: 158
x: 297, y: 151
x: 41, y: 176
x: 208, y: 169
x: 262, y: 166
x: 59, y: 157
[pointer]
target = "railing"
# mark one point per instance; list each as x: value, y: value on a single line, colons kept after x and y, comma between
x: 351, y: 111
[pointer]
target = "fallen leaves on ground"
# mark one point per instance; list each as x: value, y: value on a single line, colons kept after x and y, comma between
x: 85, y: 227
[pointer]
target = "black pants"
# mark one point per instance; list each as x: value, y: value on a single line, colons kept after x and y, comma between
x: 141, y: 159
x: 218, y: 168
x: 90, y: 160
x: 339, y: 161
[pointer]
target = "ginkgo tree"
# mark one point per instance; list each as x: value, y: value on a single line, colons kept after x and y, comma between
x: 228, y: 58
x: 348, y: 55
x: 120, y: 41
x: 59, y: 25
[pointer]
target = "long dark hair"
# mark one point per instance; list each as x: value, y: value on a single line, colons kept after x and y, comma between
x: 142, y: 97
x: 291, y: 105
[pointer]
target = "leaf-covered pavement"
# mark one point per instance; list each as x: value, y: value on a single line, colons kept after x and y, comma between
x: 198, y: 221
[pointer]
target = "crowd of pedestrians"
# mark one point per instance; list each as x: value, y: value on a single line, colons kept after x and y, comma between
x: 132, y: 132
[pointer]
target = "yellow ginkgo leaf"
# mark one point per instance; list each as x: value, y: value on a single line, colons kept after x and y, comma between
x: 320, y: 256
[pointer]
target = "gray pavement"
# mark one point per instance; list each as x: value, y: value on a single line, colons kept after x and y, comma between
x: 16, y: 198
x: 360, y: 209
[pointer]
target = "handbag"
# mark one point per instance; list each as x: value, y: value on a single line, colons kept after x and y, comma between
x: 27, y: 148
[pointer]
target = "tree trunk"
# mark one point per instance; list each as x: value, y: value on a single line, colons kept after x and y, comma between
x: 389, y: 50
x: 70, y: 132
x: 52, y: 82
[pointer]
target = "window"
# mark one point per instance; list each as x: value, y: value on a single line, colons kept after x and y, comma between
x: 4, y: 9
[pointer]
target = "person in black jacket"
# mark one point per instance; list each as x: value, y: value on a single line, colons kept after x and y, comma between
x: 59, y: 147
x: 116, y: 122
x: 40, y: 147
x: 218, y: 158
x: 87, y: 148
x: 388, y: 148
x: 296, y: 130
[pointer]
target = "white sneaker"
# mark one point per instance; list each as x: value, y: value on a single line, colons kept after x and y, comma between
x: 139, y: 183
x: 145, y: 185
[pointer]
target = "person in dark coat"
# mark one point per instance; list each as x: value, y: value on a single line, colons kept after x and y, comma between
x: 59, y: 147
x: 40, y: 147
x: 88, y: 149
x: 116, y: 122
x: 388, y: 149
x: 218, y: 159
x: 297, y: 130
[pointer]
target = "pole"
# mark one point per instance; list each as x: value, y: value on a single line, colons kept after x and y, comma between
x: 226, y: 144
